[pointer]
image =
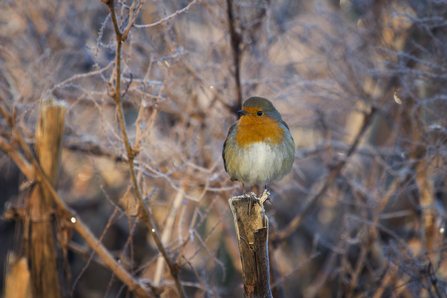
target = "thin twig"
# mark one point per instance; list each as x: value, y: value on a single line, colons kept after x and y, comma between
x: 132, y: 17
x: 235, y: 49
x: 79, y: 76
x: 18, y: 158
x: 142, y: 106
x: 207, y: 86
x: 167, y: 234
x: 116, y: 94
x: 90, y: 147
x: 168, y: 17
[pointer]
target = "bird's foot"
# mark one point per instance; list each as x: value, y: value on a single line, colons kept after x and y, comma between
x: 265, y: 197
x: 259, y: 200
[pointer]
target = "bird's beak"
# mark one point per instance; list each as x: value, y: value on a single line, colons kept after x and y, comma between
x: 242, y: 112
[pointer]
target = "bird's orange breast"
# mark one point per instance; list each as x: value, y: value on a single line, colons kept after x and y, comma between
x: 254, y: 129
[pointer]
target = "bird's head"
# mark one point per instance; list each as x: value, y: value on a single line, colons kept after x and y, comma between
x: 260, y: 108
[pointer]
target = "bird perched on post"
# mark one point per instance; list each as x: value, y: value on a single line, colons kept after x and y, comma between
x: 259, y: 148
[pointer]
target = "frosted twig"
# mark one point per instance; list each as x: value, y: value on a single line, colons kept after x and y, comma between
x: 168, y: 17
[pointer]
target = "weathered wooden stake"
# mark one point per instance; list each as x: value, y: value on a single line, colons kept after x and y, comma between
x: 17, y: 277
x: 40, y: 238
x: 252, y: 232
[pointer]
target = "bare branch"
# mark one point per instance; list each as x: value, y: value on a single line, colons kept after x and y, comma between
x: 18, y: 158
x: 143, y: 211
x: 186, y: 8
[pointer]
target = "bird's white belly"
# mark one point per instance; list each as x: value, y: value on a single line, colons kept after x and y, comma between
x: 261, y: 163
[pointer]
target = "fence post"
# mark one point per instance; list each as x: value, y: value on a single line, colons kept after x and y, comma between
x: 39, y: 233
x: 252, y: 232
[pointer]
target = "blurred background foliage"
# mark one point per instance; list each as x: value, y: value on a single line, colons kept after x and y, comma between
x: 366, y: 75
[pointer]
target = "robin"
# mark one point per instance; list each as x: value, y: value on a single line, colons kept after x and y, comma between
x: 259, y: 148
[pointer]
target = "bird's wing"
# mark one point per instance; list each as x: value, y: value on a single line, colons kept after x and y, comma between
x: 285, y: 124
x: 230, y: 131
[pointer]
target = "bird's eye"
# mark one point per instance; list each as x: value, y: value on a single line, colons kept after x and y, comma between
x: 259, y: 113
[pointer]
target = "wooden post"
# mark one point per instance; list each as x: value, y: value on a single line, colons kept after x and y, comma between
x: 39, y: 235
x: 252, y: 233
x: 17, y: 278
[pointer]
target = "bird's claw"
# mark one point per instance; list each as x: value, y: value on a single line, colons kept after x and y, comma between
x: 261, y: 200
